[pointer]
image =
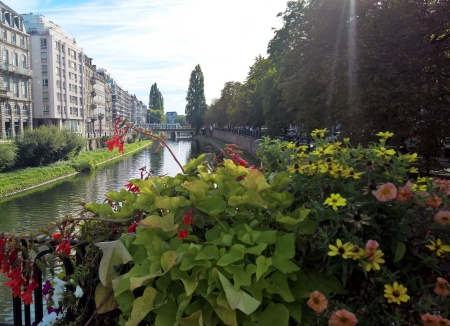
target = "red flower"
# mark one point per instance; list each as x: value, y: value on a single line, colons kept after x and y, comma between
x: 132, y: 227
x: 16, y: 280
x: 132, y: 188
x: 188, y: 219
x: 182, y: 234
x: 26, y: 296
x: 56, y: 236
x: 63, y: 247
x: 238, y: 161
x: 115, y: 142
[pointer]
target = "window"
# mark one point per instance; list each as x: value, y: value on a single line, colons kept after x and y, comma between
x: 58, y: 96
x: 24, y: 86
x: 25, y: 110
x: 43, y: 44
x: 5, y: 57
x: 58, y: 83
x: 45, y: 82
x: 6, y: 83
x: 15, y: 59
x: 58, y: 71
x: 17, y: 110
x: 43, y: 57
x: 5, y: 35
x: 57, y: 45
x: 46, y: 109
x: 24, y: 61
x: 58, y: 58
x: 44, y: 69
x: 13, y: 38
x: 22, y: 41
x: 58, y: 109
x: 45, y: 96
x: 8, y: 109
x: 15, y: 88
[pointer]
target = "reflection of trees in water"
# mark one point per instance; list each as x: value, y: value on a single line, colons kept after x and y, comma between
x: 156, y: 158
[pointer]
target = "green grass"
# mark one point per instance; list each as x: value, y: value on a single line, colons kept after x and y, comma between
x: 18, y: 180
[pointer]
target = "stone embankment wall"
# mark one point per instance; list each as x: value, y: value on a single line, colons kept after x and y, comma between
x: 249, y: 144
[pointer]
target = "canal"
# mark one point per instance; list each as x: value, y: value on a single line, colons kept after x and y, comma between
x: 34, y: 209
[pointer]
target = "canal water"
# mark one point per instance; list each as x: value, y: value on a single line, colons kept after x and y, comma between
x: 34, y: 209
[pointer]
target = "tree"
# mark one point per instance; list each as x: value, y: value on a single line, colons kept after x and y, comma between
x: 155, y: 116
x: 196, y: 103
x: 156, y: 100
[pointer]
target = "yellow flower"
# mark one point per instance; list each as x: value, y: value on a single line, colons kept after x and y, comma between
x: 374, y: 261
x: 357, y: 253
x: 384, y: 152
x: 320, y: 132
x: 323, y: 151
x: 411, y: 157
x: 438, y: 246
x: 302, y: 148
x: 351, y: 173
x: 345, y: 250
x: 396, y: 293
x: 414, y: 170
x: 416, y: 188
x: 296, y: 168
x: 335, y: 200
x: 385, y: 135
x: 346, y: 140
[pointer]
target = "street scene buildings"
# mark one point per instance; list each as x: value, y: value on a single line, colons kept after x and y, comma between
x: 46, y: 78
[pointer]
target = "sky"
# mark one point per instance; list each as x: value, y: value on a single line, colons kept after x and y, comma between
x: 142, y: 42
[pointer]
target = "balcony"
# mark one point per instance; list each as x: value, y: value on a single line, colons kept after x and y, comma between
x: 93, y: 81
x: 93, y: 106
x: 5, y: 95
x: 16, y: 69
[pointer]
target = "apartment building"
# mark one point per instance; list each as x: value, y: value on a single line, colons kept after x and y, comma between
x: 138, y: 111
x: 57, y: 63
x: 121, y: 99
x: 15, y: 74
x: 98, y: 105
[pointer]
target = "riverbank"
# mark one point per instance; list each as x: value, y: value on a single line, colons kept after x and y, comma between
x: 26, y: 179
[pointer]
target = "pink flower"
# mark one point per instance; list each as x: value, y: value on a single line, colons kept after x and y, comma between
x: 430, y: 320
x: 442, y: 287
x: 386, y: 192
x: 434, y: 201
x: 317, y: 302
x: 405, y: 194
x: 342, y: 318
x: 442, y: 217
x: 371, y: 248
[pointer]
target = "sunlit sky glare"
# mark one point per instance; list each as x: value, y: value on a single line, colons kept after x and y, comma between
x: 142, y: 42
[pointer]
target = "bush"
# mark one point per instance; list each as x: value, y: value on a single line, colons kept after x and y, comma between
x: 84, y: 164
x: 8, y: 155
x: 46, y: 145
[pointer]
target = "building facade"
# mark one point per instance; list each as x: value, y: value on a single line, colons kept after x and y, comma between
x: 16, y: 106
x: 121, y: 100
x: 57, y: 63
x: 98, y: 105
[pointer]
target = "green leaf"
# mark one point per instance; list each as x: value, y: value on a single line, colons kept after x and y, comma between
x: 262, y: 266
x: 197, y: 188
x: 195, y: 319
x: 274, y: 314
x: 166, y: 223
x: 166, y: 314
x: 193, y: 164
x: 114, y: 196
x: 168, y: 260
x: 400, y: 250
x: 169, y: 203
x: 236, y: 253
x: 210, y: 252
x: 325, y: 283
x: 285, y: 245
x: 103, y: 210
x: 256, y: 181
x: 104, y: 298
x: 278, y: 283
x: 283, y: 264
x: 114, y: 254
x: 212, y: 205
x: 256, y: 250
x: 238, y: 299
x: 141, y: 307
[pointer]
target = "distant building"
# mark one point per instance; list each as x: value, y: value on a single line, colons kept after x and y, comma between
x: 138, y: 111
x: 171, y: 115
x: 98, y: 105
x: 121, y: 99
x: 15, y: 74
x: 57, y: 63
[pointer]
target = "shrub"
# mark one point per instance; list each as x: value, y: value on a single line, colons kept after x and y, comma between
x: 84, y: 164
x: 8, y: 155
x: 47, y: 144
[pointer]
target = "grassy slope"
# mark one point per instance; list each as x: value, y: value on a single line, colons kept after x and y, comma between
x: 21, y: 179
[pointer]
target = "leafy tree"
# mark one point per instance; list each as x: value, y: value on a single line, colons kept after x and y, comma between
x: 156, y: 100
x: 155, y: 116
x: 216, y: 114
x: 8, y: 155
x: 181, y: 119
x: 196, y: 103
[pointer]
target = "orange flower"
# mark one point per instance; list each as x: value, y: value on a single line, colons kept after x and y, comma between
x: 430, y: 320
x: 342, y: 318
x: 386, y: 192
x: 317, y: 302
x: 442, y: 217
x: 434, y: 201
x: 443, y: 322
x: 442, y: 287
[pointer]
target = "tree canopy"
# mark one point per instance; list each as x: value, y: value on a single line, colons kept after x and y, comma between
x: 196, y: 102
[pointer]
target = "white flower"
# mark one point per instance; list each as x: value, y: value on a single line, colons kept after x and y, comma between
x: 49, y: 319
x: 78, y: 292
